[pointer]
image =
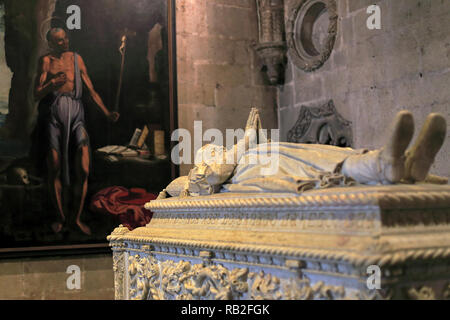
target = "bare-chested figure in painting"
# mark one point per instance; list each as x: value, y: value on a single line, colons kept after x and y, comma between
x: 61, y: 75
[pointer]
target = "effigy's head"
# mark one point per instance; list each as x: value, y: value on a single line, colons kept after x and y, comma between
x: 211, y: 170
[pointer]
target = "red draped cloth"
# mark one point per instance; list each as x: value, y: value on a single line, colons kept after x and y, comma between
x: 128, y: 205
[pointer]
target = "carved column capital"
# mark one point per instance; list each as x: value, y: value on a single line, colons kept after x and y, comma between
x: 271, y: 45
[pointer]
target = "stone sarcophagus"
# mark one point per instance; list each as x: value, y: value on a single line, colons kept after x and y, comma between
x: 374, y: 242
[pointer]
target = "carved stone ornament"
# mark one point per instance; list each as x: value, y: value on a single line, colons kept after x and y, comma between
x: 277, y: 246
x: 151, y: 279
x: 311, y: 32
x: 322, y: 125
x: 272, y: 44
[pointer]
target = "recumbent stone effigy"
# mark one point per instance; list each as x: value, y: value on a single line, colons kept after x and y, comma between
x: 312, y: 229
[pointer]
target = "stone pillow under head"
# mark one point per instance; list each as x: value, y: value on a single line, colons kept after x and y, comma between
x: 176, y: 186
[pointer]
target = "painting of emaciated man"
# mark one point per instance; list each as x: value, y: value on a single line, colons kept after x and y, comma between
x: 85, y: 118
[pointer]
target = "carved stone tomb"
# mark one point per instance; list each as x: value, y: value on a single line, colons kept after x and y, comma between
x: 323, y: 244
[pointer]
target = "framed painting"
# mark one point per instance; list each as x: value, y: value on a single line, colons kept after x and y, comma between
x: 87, y: 104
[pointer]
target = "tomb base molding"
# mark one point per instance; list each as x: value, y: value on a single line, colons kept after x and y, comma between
x: 323, y: 244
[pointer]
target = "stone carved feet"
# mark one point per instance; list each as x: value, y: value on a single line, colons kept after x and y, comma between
x: 393, y: 163
x: 414, y: 164
x: 420, y: 157
x: 392, y: 155
x: 386, y: 165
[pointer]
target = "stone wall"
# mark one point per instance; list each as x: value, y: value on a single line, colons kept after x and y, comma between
x: 45, y: 278
x: 372, y: 74
x: 219, y: 74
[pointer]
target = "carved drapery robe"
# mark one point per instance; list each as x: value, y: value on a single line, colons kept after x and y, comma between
x: 290, y: 167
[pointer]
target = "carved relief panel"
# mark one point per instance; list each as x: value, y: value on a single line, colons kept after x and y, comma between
x: 311, y: 32
x: 322, y: 125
